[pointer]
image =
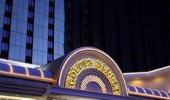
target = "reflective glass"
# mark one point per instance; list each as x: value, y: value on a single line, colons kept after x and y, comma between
x: 4, y: 46
x: 59, y: 13
x: 22, y: 54
x: 8, y: 7
x: 35, y: 56
x: 59, y: 4
x: 14, y: 25
x: 44, y: 58
x: 22, y: 3
x: 45, y: 45
x: 11, y: 51
x: 1, y: 21
x: 2, y: 6
x: 35, y: 44
x: 59, y: 25
x: 1, y: 35
x: 40, y: 56
x: 45, y: 33
x: 7, y: 20
x: 19, y: 27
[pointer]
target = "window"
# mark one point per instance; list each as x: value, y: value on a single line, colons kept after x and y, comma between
x: 50, y: 32
x: 52, y: 0
x: 7, y: 20
x: 5, y: 33
x: 31, y: 2
x: 51, y: 9
x: 5, y: 46
x: 29, y: 39
x: 50, y: 57
x: 30, y: 27
x: 8, y: 7
x: 50, y: 44
x: 51, y: 20
x: 30, y: 14
x: 28, y: 52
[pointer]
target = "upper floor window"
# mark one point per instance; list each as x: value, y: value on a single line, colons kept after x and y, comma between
x: 8, y: 8
x: 52, y: 0
x: 31, y: 2
x: 5, y: 33
x: 28, y: 52
x: 7, y: 20
x: 51, y: 9
x: 5, y: 46
x: 51, y: 20
x: 50, y: 32
x: 50, y: 57
x: 30, y: 14
x: 29, y: 39
x: 30, y: 27
x: 50, y: 44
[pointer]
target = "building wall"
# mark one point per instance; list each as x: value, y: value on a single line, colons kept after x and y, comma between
x: 32, y: 31
x: 134, y: 33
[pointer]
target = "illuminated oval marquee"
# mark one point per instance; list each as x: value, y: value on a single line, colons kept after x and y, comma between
x: 91, y: 69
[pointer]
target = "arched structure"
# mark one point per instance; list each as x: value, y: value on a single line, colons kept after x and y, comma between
x: 87, y: 67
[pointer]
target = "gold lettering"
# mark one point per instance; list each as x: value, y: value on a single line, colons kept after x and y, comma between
x: 87, y: 63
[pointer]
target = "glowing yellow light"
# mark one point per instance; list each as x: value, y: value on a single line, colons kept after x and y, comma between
x: 90, y: 63
x: 14, y: 98
x: 158, y: 80
x: 137, y: 82
x: 92, y: 78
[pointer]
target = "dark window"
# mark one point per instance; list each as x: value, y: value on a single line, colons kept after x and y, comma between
x: 51, y: 9
x: 50, y: 32
x: 8, y: 7
x: 5, y: 33
x: 30, y: 14
x: 29, y: 39
x: 5, y: 46
x: 7, y: 20
x: 50, y: 57
x: 30, y: 27
x: 51, y: 20
x: 28, y: 52
x: 50, y: 44
x: 31, y: 2
x: 52, y: 0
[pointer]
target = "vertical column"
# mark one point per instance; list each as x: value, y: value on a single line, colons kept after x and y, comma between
x: 30, y: 28
x: 6, y: 29
x: 59, y: 29
x: 2, y: 11
x: 50, y: 55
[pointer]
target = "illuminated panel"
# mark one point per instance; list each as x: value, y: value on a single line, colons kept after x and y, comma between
x: 47, y: 74
x: 19, y: 69
x: 90, y: 63
x: 23, y: 72
x: 4, y: 67
x: 92, y: 78
x: 4, y: 97
x: 34, y: 72
x: 152, y: 93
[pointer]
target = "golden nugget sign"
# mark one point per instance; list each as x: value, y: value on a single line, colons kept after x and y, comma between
x: 90, y: 63
x: 92, y: 70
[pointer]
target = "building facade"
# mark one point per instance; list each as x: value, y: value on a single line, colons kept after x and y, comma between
x: 31, y: 31
x: 86, y: 73
x: 134, y: 33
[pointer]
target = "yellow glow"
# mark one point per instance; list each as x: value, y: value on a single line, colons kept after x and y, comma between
x: 14, y: 98
x: 137, y: 82
x: 158, y: 80
x: 91, y: 63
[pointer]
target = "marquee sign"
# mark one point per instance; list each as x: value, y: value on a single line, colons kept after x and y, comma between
x: 91, y: 69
